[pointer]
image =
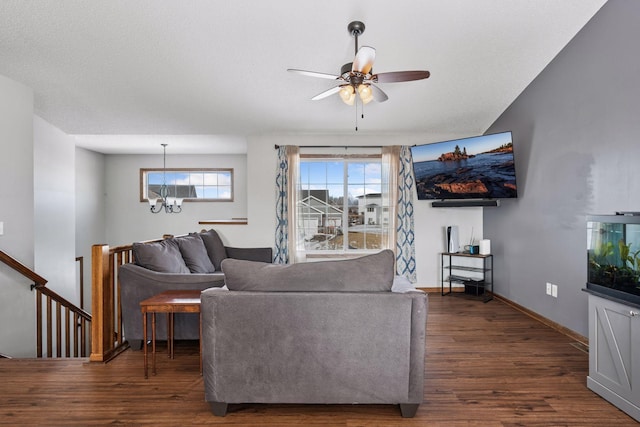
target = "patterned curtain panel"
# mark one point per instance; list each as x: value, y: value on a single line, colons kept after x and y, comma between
x: 397, y: 192
x: 286, y: 199
x: 405, y: 236
x: 282, y: 226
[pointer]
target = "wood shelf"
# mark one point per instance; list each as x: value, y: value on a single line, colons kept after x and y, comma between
x: 466, y: 254
x: 231, y: 221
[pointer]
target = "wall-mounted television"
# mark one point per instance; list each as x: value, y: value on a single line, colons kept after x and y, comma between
x: 479, y: 167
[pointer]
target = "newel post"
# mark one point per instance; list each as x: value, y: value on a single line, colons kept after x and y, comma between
x: 102, y: 303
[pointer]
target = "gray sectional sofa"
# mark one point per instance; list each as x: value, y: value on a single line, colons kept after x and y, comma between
x: 184, y: 262
x: 332, y: 332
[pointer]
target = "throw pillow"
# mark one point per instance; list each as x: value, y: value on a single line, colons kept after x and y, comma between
x: 370, y: 273
x: 161, y: 256
x: 215, y: 247
x: 195, y: 254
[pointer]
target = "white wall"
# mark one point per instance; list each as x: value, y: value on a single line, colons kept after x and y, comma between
x: 54, y: 208
x: 90, y: 210
x: 17, y: 307
x: 129, y: 220
x: 429, y: 222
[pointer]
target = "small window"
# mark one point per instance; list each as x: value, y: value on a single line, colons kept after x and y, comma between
x: 194, y: 185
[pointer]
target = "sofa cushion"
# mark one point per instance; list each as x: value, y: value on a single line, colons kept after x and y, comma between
x: 163, y: 256
x: 215, y: 247
x: 370, y: 273
x: 195, y: 254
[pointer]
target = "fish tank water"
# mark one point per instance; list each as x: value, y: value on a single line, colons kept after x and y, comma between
x: 613, y: 255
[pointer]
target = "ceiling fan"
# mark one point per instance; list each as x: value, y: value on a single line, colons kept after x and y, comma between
x: 357, y: 76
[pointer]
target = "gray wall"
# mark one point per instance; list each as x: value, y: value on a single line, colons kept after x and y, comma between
x: 54, y: 208
x: 54, y: 212
x: 90, y: 210
x: 37, y: 166
x: 17, y: 307
x: 576, y: 130
x: 128, y: 219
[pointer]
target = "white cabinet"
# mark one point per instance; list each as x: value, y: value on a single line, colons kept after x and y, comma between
x: 614, y: 353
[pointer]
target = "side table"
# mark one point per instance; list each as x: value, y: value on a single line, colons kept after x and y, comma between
x: 170, y: 302
x: 478, y: 279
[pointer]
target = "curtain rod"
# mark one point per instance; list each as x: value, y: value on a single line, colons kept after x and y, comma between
x: 336, y: 146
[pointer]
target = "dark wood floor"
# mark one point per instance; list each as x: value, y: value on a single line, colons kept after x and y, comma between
x: 487, y: 365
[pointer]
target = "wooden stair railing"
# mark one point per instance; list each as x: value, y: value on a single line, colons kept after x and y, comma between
x: 22, y: 269
x: 80, y: 261
x: 107, y: 329
x: 71, y: 340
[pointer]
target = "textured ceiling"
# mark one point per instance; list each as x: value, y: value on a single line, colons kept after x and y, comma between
x: 218, y: 67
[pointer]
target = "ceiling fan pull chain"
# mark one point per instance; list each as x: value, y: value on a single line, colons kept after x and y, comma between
x: 356, y: 115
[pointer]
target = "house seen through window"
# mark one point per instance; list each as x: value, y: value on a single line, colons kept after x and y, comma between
x: 340, y: 206
x: 206, y: 185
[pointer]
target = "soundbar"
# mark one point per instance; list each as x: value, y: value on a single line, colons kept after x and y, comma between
x: 464, y: 203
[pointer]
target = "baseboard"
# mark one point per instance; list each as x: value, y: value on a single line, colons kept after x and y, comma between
x: 550, y: 323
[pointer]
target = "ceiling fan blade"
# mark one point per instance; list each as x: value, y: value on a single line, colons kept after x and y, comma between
x: 363, y: 62
x: 326, y: 93
x: 314, y: 74
x: 378, y: 94
x: 400, y: 76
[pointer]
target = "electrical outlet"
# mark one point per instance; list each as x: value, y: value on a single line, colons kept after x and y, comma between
x: 549, y: 288
x: 554, y: 291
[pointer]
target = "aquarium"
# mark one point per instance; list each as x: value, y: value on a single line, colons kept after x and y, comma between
x: 613, y: 255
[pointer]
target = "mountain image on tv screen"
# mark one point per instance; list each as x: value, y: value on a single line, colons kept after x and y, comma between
x: 480, y: 167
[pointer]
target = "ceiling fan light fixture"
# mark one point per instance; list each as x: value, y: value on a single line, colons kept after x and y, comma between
x: 365, y: 92
x: 347, y: 94
x: 356, y: 78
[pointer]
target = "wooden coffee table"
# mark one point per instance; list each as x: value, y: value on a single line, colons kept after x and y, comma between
x: 170, y: 302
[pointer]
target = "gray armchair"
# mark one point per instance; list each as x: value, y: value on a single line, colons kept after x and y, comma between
x: 279, y: 345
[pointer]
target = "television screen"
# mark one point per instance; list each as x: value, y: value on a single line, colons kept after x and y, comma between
x: 480, y: 167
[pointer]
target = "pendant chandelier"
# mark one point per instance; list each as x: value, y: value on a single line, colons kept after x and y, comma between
x: 166, y: 203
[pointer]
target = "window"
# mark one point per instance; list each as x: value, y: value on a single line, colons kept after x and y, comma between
x: 340, y: 205
x: 195, y: 185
